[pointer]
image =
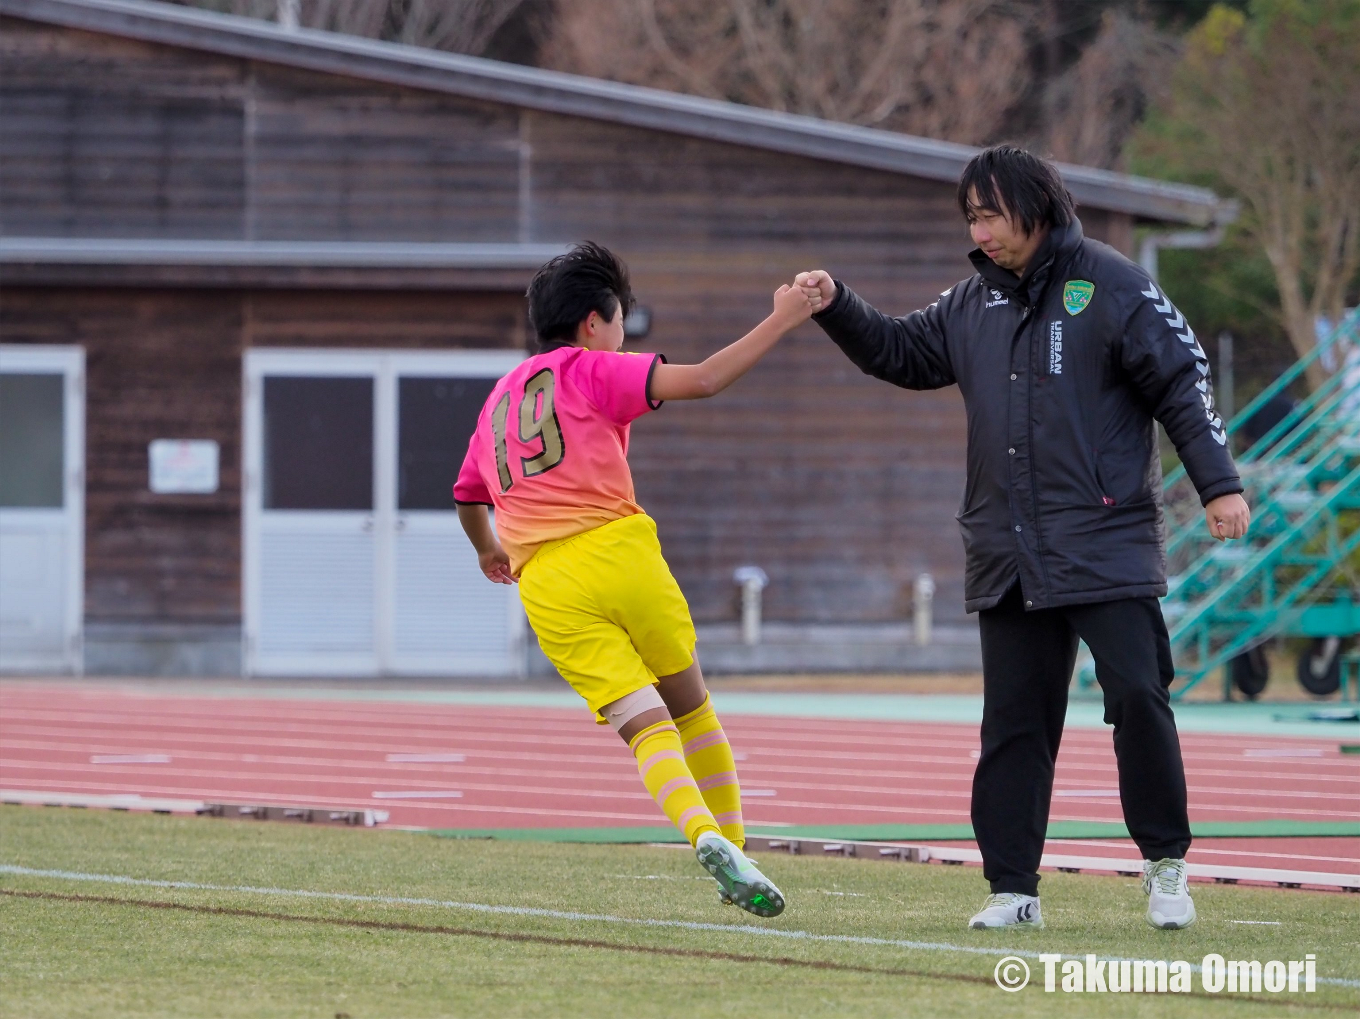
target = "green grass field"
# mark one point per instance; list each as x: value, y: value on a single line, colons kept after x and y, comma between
x: 97, y: 948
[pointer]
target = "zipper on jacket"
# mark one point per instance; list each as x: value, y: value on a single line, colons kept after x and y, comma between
x: 1034, y: 483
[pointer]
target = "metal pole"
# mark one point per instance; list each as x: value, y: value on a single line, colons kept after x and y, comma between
x: 923, y: 606
x: 752, y: 580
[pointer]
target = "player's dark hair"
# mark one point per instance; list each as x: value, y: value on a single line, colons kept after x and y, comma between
x: 564, y: 292
x: 1011, y: 181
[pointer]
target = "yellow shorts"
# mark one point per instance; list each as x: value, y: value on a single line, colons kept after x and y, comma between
x: 607, y: 612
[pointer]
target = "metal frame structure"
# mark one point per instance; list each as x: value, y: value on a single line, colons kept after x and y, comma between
x: 1290, y: 576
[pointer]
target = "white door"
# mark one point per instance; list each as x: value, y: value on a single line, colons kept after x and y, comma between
x: 42, y: 508
x: 354, y: 560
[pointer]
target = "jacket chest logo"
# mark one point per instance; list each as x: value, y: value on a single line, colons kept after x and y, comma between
x: 1077, y: 295
x: 997, y: 298
x: 1055, y: 350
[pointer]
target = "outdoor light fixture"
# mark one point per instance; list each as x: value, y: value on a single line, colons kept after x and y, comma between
x: 637, y: 323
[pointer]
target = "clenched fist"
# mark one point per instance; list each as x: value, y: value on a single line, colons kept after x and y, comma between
x: 1227, y: 516
x: 819, y: 287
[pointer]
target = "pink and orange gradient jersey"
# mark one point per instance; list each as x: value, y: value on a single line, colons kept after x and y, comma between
x: 550, y: 451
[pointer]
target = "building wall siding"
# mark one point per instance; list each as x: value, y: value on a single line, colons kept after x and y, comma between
x: 106, y: 137
x: 841, y: 487
x: 167, y: 364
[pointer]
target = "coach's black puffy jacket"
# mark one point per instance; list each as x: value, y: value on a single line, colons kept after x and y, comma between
x: 1062, y: 373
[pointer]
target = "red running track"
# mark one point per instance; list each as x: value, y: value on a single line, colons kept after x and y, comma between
x: 542, y: 767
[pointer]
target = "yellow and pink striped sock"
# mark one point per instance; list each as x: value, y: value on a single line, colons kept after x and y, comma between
x: 710, y: 761
x: 661, y: 763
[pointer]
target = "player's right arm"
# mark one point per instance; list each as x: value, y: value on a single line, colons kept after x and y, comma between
x: 473, y: 500
x: 909, y: 351
x: 476, y: 521
x: 716, y: 373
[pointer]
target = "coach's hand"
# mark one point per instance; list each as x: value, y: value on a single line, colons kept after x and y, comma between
x: 819, y: 287
x: 1227, y: 516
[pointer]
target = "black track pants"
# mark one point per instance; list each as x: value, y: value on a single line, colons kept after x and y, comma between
x: 1027, y: 660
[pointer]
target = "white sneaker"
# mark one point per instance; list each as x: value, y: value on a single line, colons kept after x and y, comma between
x: 1170, y: 907
x: 1008, y: 909
x: 739, y: 880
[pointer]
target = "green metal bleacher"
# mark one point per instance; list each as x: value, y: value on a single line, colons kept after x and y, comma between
x: 1297, y: 573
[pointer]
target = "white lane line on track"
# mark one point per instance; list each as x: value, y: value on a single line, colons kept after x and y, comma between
x: 552, y: 914
x: 292, y: 798
x: 257, y: 710
x: 426, y: 758
x: 1094, y: 793
x: 1196, y: 789
x: 1281, y: 752
x: 624, y: 770
x: 430, y: 794
x: 266, y: 711
x: 129, y: 758
x: 78, y: 771
x: 942, y: 814
x: 568, y: 735
x: 929, y: 735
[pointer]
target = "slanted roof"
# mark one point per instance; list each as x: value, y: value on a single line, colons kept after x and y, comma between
x: 126, y: 261
x: 555, y: 92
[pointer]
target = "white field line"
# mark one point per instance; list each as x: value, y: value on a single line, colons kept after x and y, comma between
x: 552, y: 914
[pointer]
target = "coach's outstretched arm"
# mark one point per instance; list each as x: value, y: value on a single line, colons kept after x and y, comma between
x: 911, y: 351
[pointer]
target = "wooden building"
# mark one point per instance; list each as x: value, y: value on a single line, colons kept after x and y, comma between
x: 310, y: 250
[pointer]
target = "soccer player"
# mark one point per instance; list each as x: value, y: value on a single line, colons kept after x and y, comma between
x: 550, y: 455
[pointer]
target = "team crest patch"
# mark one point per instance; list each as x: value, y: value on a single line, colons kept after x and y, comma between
x: 1077, y: 295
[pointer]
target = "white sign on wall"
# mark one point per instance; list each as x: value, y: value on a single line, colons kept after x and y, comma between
x: 183, y: 466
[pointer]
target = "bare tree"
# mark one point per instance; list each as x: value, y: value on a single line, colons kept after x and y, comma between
x: 1271, y: 106
x: 459, y: 26
x: 943, y: 68
x: 1090, y: 110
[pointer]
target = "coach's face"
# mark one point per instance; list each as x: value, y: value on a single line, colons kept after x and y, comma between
x: 1000, y: 237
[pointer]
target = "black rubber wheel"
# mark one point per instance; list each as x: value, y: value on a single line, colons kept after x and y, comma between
x: 1319, y: 667
x: 1250, y: 671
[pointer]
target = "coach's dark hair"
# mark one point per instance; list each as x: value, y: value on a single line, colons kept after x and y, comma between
x: 564, y: 292
x: 1009, y: 179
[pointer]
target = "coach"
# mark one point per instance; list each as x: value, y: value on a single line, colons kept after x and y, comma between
x: 1065, y: 353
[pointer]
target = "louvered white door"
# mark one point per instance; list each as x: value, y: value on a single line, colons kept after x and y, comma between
x: 446, y: 618
x: 355, y: 561
x: 42, y: 519
x: 311, y: 548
